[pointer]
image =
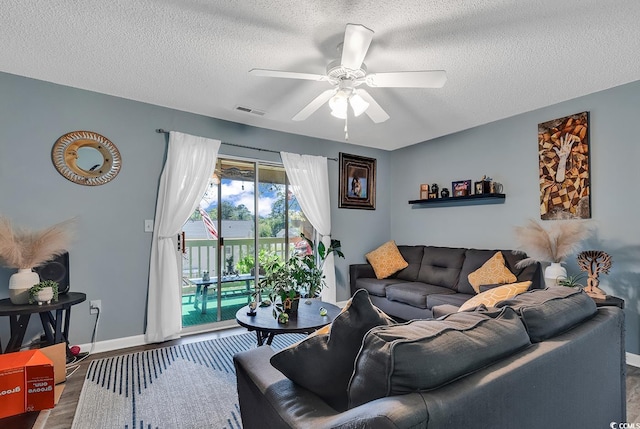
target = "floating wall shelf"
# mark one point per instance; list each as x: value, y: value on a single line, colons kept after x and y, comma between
x: 466, y: 200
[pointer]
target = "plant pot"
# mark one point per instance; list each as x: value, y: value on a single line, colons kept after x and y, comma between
x: 19, y: 285
x: 44, y: 296
x: 553, y: 273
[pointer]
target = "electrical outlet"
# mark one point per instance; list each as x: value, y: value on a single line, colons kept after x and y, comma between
x: 95, y: 306
x: 148, y: 225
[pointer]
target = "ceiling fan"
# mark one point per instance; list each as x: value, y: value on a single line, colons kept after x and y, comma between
x: 347, y: 74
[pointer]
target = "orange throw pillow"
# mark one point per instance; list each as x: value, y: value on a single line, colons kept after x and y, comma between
x: 386, y: 260
x: 493, y: 272
x: 493, y: 296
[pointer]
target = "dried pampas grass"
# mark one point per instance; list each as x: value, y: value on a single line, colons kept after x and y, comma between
x: 553, y: 245
x: 20, y: 248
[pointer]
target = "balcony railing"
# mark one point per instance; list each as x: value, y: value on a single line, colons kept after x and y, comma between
x: 201, y: 255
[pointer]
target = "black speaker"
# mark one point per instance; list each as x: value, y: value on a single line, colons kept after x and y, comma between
x: 57, y: 270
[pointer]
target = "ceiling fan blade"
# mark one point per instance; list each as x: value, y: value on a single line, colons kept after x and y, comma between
x: 374, y: 111
x: 409, y: 79
x: 287, y: 75
x: 357, y: 39
x: 314, y: 105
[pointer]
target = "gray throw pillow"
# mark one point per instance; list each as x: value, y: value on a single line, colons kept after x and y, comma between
x: 549, y: 312
x: 425, y: 354
x: 323, y: 363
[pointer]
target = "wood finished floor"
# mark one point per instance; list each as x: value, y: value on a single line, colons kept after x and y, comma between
x: 61, y: 416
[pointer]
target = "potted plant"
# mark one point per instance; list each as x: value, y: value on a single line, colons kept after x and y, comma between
x: 300, y: 276
x: 551, y: 245
x: 24, y: 250
x: 44, y: 292
x: 572, y: 281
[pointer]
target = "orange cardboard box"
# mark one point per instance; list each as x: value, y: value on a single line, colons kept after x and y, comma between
x: 26, y: 382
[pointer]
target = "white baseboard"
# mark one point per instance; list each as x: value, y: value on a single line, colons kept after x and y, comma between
x: 633, y: 360
x: 115, y: 344
x: 341, y: 304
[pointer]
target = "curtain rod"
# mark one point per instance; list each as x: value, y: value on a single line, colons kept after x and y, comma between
x: 161, y: 131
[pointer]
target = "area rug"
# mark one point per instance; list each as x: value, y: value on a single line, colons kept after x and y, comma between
x: 178, y: 387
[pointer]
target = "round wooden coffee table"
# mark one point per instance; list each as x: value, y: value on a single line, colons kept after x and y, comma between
x: 306, y: 321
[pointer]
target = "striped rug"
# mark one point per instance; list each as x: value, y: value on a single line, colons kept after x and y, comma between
x: 184, y: 386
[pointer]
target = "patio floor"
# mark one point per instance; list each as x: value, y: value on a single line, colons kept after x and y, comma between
x: 192, y: 316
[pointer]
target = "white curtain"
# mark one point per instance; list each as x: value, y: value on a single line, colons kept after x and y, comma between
x: 309, y: 177
x: 190, y: 163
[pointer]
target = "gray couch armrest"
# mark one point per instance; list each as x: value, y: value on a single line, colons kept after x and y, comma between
x: 533, y: 273
x: 270, y: 400
x: 357, y: 271
x: 587, y: 361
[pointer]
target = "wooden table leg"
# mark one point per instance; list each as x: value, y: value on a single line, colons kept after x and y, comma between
x: 270, y: 338
x: 48, y: 326
x: 260, y: 338
x: 18, y: 329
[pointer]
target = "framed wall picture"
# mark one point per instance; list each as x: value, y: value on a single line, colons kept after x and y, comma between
x: 564, y: 160
x: 357, y: 182
x: 461, y: 188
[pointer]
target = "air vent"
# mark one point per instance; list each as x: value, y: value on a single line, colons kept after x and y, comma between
x: 250, y: 110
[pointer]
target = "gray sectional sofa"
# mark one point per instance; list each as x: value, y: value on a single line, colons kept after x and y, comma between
x: 435, y: 276
x: 545, y: 359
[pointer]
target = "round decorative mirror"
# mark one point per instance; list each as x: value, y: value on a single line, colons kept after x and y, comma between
x: 86, y: 158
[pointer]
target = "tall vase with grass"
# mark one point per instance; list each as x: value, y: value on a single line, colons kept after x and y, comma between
x: 552, y: 245
x: 24, y: 250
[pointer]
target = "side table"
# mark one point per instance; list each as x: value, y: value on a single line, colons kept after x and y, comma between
x: 56, y: 327
x: 609, y: 301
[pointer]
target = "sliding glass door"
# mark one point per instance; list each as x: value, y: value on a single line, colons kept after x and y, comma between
x: 246, y: 216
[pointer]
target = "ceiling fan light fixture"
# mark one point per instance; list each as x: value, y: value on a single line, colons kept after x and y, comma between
x: 358, y: 104
x: 338, y: 104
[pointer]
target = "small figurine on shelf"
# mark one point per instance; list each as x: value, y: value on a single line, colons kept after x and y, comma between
x: 444, y: 193
x: 205, y: 276
x: 434, y: 189
x: 424, y: 191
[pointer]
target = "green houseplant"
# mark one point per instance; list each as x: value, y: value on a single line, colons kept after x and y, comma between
x: 572, y: 281
x: 39, y: 292
x: 300, y: 276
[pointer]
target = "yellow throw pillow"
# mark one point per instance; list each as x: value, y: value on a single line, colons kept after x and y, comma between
x: 493, y: 272
x: 493, y: 296
x: 386, y: 260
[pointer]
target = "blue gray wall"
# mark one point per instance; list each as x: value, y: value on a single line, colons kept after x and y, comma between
x: 507, y: 150
x: 110, y: 256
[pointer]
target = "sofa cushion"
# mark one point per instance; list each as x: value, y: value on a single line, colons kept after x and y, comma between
x: 549, y: 312
x: 386, y: 260
x: 323, y: 363
x: 493, y: 296
x: 415, y: 293
x: 441, y: 266
x: 491, y: 272
x: 376, y: 287
x: 413, y: 256
x: 456, y: 299
x: 425, y: 354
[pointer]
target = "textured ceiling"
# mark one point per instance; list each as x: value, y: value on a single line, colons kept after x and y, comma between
x: 502, y: 57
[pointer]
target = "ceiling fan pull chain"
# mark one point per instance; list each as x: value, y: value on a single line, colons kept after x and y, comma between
x: 346, y: 127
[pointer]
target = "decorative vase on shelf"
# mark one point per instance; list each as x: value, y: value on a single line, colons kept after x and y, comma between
x: 19, y: 285
x: 553, y: 273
